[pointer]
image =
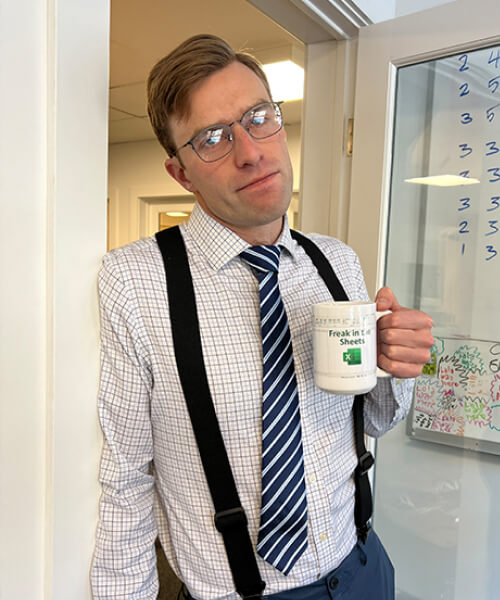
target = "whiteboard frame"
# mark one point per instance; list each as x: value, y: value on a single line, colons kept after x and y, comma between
x: 448, y: 439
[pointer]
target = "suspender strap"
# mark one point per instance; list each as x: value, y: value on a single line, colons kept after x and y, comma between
x: 362, y: 492
x: 230, y: 518
x: 321, y: 263
x: 362, y: 497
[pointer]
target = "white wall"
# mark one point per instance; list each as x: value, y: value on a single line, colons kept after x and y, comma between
x: 22, y: 337
x: 53, y: 82
x: 407, y: 7
x: 136, y: 170
x: 383, y: 10
x: 379, y: 10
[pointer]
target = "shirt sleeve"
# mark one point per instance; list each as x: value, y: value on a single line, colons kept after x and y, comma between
x: 389, y: 402
x: 124, y: 562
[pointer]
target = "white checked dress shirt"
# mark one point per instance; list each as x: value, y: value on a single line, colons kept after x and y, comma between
x: 151, y: 473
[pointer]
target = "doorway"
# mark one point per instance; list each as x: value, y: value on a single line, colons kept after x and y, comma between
x: 142, y: 197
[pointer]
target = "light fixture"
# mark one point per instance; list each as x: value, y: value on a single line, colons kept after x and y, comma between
x: 286, y: 80
x: 443, y: 180
x: 177, y: 214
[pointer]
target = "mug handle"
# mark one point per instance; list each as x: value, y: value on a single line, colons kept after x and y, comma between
x: 381, y: 372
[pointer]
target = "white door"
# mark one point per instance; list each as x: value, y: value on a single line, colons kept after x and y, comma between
x: 427, y: 96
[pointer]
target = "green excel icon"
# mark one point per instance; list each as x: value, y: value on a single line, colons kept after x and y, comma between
x: 353, y: 356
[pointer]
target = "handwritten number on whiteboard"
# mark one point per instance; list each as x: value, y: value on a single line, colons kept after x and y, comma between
x: 495, y: 203
x: 493, y: 226
x: 465, y: 118
x: 463, y: 59
x: 464, y: 173
x: 495, y: 174
x: 465, y: 203
x: 491, y: 252
x: 463, y: 227
x: 493, y: 84
x: 494, y: 59
x: 464, y: 89
x: 493, y: 148
x: 465, y: 149
x: 490, y: 112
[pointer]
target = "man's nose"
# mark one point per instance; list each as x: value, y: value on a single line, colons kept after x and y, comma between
x: 246, y: 149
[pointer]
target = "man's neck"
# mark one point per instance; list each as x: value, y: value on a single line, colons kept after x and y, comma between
x: 264, y: 235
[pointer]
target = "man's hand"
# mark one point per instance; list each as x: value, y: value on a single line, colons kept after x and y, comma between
x: 404, y: 337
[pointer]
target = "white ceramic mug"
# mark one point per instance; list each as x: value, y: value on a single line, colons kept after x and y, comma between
x: 345, y: 347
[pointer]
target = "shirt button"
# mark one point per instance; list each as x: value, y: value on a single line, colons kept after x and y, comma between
x: 334, y: 582
x: 312, y: 478
x: 323, y: 537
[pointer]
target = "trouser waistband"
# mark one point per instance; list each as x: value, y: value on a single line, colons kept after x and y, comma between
x: 366, y: 573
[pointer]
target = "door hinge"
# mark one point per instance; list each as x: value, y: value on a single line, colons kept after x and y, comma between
x: 350, y: 135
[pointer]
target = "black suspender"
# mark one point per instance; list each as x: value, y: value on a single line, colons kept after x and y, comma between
x: 230, y: 519
x: 362, y: 496
x: 322, y: 265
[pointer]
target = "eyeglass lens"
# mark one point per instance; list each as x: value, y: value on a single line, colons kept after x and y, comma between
x: 215, y: 142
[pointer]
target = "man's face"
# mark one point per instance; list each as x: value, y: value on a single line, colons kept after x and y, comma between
x: 248, y: 190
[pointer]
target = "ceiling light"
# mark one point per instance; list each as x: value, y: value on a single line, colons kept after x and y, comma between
x: 286, y: 80
x: 443, y: 180
x: 177, y: 214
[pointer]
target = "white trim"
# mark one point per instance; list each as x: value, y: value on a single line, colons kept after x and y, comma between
x: 313, y: 21
x: 386, y: 178
x: 340, y: 19
x: 77, y: 243
x: 138, y: 198
x: 294, y: 20
x: 325, y: 168
x: 50, y: 108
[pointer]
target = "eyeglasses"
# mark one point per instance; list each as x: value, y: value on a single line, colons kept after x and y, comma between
x: 216, y: 142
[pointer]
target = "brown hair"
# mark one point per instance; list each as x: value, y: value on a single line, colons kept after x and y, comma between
x: 175, y: 76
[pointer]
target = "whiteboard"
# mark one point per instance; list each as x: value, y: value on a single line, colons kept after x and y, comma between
x: 445, y: 241
x: 443, y: 255
x: 463, y: 222
x: 457, y: 397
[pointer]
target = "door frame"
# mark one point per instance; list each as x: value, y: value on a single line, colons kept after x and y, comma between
x: 382, y: 48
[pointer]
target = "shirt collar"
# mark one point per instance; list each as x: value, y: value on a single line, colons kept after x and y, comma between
x: 219, y: 244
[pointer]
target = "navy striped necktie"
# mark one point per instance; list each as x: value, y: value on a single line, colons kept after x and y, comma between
x: 283, y: 521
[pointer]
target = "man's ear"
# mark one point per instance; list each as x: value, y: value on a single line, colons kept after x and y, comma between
x: 175, y: 170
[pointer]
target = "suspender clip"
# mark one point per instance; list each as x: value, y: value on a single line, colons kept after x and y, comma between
x: 365, y: 463
x: 363, y: 532
x: 254, y: 593
x: 226, y: 519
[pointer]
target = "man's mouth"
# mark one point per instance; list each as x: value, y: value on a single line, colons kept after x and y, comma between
x: 261, y: 180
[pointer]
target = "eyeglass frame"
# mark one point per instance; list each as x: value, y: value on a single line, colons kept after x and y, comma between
x: 277, y: 105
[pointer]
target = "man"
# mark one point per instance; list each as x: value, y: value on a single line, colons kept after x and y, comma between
x: 213, y: 113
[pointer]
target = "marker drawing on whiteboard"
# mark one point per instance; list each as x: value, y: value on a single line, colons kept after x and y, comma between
x: 463, y: 397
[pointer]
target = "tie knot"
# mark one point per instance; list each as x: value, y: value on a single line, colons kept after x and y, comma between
x: 262, y: 258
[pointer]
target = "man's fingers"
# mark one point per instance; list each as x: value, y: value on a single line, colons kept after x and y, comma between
x: 386, y: 300
x: 404, y: 354
x: 404, y: 337
x: 398, y: 369
x: 421, y: 338
x: 405, y: 318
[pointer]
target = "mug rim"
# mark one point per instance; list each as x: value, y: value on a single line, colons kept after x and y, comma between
x: 345, y: 303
